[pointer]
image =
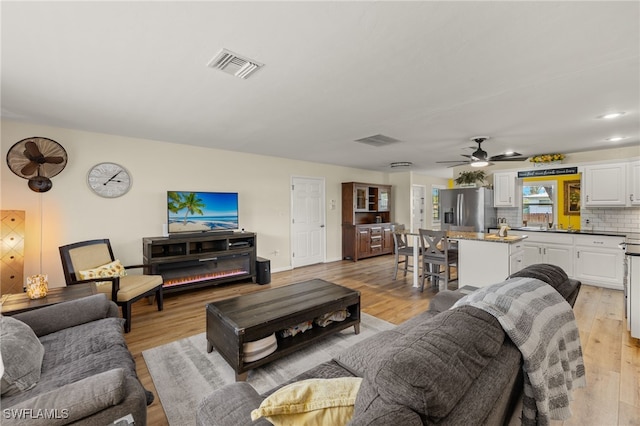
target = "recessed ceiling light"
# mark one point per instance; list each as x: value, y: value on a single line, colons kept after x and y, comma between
x: 611, y: 115
x: 616, y: 138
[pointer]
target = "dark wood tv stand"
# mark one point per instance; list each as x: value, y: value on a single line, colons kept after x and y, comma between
x: 201, y: 260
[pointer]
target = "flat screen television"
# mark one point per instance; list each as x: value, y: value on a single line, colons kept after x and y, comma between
x: 196, y: 212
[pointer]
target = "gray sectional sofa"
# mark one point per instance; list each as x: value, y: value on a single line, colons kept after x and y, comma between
x: 69, y: 364
x: 457, y: 366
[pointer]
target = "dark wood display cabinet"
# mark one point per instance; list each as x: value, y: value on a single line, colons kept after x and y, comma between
x: 366, y: 220
x: 202, y: 260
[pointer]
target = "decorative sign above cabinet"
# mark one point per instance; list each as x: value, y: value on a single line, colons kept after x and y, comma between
x: 548, y: 172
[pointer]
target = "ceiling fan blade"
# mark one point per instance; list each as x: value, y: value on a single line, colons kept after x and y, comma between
x: 508, y: 159
x: 53, y: 160
x: 502, y: 156
x: 30, y: 168
x: 454, y: 161
x: 31, y: 150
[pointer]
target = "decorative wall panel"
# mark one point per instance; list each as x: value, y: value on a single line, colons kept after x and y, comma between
x: 12, y: 251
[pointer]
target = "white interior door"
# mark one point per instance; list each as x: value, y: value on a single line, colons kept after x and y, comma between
x: 418, y: 207
x: 307, y: 221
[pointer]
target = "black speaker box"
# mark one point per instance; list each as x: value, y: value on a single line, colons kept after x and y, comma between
x: 263, y: 270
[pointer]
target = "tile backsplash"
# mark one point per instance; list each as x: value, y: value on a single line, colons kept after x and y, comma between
x: 600, y: 219
x: 611, y: 219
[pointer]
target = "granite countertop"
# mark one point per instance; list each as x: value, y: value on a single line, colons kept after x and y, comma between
x: 565, y: 231
x: 479, y: 236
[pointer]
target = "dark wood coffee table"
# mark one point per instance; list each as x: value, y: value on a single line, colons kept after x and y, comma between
x: 233, y: 322
x: 19, y: 302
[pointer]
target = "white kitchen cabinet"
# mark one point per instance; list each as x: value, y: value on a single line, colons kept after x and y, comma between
x: 600, y: 260
x: 548, y: 247
x: 634, y: 183
x: 505, y: 189
x: 593, y: 259
x: 633, y: 297
x: 516, y: 262
x: 605, y: 185
x: 555, y: 254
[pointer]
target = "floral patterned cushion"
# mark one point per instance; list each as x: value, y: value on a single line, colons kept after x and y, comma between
x: 112, y: 269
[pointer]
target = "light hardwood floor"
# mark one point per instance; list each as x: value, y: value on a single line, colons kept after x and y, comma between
x: 612, y: 357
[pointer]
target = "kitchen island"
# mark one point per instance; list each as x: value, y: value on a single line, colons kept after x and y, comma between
x: 485, y: 259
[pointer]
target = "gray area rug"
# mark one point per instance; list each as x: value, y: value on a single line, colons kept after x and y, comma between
x: 184, y: 373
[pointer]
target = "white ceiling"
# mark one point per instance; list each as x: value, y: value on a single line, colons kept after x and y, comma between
x: 532, y: 75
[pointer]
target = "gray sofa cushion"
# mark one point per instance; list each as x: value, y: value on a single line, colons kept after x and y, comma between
x: 552, y: 275
x: 78, y: 352
x: 359, y: 357
x: 433, y: 365
x: 230, y: 405
x: 326, y: 370
x: 22, y: 355
x: 74, y: 401
x: 68, y: 314
x: 380, y: 412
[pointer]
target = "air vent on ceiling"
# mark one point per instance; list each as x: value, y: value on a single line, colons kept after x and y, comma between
x: 378, y: 140
x: 397, y: 164
x: 234, y: 64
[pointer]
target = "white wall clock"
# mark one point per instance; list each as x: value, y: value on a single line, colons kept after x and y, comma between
x: 109, y: 180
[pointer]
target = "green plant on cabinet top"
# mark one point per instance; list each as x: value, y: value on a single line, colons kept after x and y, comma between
x: 470, y: 177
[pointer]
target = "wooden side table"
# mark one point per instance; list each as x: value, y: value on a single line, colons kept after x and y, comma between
x: 19, y: 302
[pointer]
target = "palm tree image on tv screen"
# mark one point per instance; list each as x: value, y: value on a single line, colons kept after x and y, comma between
x: 202, y: 211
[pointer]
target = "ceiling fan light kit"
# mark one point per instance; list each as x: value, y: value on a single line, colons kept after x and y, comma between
x: 37, y: 159
x: 480, y: 158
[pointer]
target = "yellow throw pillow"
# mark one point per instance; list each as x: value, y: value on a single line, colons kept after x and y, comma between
x: 112, y: 269
x: 311, y: 402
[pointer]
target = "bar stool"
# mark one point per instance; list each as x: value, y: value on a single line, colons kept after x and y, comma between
x: 437, y: 253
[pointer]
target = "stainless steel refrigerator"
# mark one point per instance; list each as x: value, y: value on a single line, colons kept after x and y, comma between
x: 468, y: 207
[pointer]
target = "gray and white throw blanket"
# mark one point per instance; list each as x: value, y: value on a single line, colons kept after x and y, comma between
x: 541, y: 324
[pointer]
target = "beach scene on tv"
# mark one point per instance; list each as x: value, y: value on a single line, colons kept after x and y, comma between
x: 202, y: 211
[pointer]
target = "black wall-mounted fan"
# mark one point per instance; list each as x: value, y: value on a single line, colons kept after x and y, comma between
x: 479, y: 157
x: 38, y: 160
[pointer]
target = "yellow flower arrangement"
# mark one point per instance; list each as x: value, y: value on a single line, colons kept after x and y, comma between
x: 547, y: 158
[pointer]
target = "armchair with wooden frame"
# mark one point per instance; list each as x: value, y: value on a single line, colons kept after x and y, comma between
x: 123, y: 290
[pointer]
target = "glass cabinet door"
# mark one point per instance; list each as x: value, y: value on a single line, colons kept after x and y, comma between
x: 383, y: 200
x: 361, y: 197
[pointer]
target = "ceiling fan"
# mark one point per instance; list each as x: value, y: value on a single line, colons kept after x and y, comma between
x: 480, y: 158
x: 37, y: 159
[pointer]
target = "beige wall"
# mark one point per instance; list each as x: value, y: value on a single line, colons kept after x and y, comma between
x: 401, y: 195
x: 71, y: 212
